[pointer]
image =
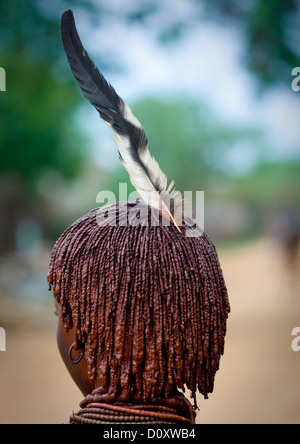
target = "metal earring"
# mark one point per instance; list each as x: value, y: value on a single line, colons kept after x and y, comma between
x: 70, y: 354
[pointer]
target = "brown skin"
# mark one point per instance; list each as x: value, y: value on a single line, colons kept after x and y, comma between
x: 78, y: 371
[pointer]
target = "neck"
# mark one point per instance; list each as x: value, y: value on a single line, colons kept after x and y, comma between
x: 173, y: 410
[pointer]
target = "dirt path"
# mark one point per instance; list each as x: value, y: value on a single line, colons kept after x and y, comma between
x: 259, y: 377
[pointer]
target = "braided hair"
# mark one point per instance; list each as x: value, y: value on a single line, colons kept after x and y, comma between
x: 148, y: 304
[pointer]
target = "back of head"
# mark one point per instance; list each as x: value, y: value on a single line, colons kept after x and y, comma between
x: 149, y: 305
x: 145, y: 300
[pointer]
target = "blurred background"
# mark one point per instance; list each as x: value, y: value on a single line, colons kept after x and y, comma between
x: 211, y: 83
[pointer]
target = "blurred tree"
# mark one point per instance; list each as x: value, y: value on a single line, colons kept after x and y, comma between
x: 270, y: 187
x: 195, y: 149
x: 271, y: 192
x: 190, y: 141
x: 271, y: 33
x: 269, y: 29
x: 38, y: 130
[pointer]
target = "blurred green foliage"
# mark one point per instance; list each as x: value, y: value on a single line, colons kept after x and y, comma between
x: 37, y: 126
x: 194, y: 149
x: 39, y: 131
x: 271, y: 32
x: 270, y: 186
x: 269, y: 28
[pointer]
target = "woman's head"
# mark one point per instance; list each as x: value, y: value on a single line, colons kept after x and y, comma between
x: 145, y: 305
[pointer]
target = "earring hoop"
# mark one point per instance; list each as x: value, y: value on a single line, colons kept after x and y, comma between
x: 70, y: 355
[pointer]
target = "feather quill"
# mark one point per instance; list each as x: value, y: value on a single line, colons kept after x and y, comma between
x: 130, y: 138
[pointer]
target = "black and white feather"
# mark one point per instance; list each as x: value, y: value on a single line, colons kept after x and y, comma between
x: 144, y: 171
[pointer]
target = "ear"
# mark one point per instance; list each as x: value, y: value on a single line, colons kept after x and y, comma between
x: 70, y: 356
